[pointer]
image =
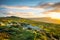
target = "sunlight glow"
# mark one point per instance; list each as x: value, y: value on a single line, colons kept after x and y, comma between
x: 54, y: 15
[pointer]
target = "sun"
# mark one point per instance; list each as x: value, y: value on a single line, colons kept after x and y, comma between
x: 54, y: 15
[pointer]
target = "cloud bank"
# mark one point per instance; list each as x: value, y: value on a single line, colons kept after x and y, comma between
x: 45, y: 10
x: 22, y: 11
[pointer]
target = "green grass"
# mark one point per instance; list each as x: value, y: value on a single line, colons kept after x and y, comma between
x: 16, y: 32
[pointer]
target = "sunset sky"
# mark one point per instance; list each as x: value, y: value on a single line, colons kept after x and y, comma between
x: 29, y: 8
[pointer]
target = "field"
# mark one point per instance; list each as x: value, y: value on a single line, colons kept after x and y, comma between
x: 15, y: 28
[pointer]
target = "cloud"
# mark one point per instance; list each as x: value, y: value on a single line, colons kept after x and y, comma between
x: 30, y: 12
x: 46, y: 5
x: 57, y: 5
x: 24, y: 15
x: 21, y: 7
x: 54, y: 15
x: 19, y: 14
x: 23, y: 11
x: 50, y: 5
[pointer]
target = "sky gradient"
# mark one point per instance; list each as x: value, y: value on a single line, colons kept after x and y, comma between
x: 25, y: 2
x: 25, y: 8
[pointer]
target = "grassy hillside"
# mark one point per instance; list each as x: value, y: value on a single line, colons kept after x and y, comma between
x: 46, y: 20
x: 15, y: 28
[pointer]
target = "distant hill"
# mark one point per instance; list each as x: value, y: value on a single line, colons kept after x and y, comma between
x: 46, y: 20
x: 34, y: 21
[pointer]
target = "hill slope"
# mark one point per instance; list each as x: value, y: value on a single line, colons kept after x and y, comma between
x: 46, y: 20
x: 15, y: 28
